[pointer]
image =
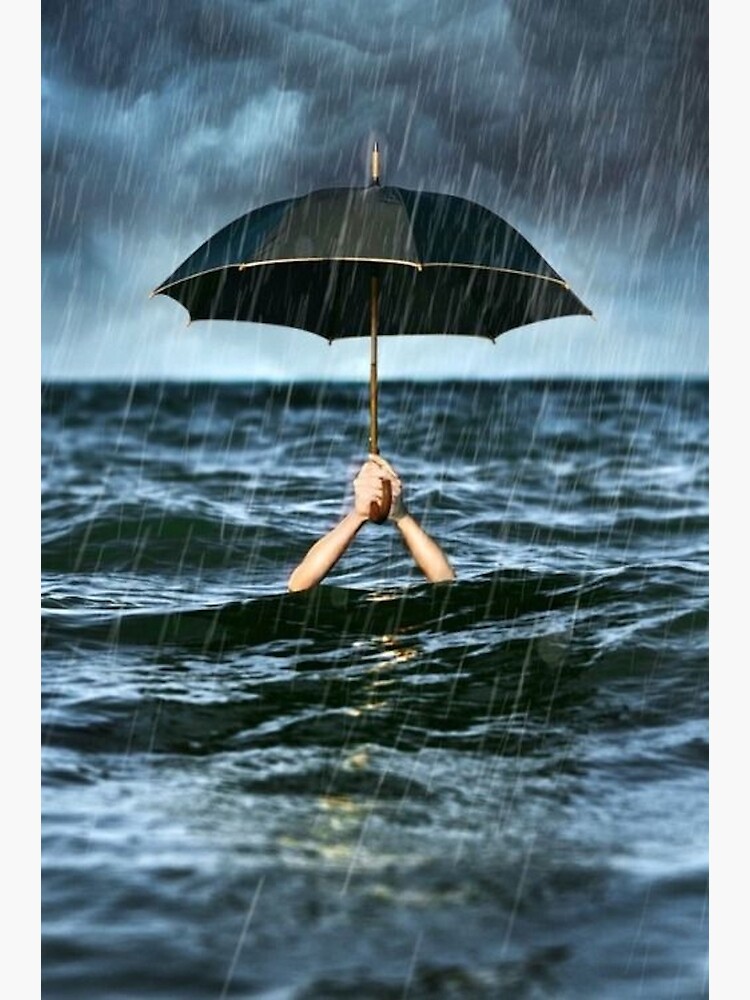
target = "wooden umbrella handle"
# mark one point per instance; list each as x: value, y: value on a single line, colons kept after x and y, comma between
x: 379, y: 511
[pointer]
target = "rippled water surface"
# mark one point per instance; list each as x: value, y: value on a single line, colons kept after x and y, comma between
x: 379, y: 788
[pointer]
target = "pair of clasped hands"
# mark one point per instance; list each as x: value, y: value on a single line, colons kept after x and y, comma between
x: 378, y: 496
x: 378, y: 491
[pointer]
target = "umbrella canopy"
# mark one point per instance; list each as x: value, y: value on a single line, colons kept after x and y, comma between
x: 445, y: 265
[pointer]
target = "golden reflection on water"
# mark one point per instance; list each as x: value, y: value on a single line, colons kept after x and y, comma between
x: 337, y: 832
x: 393, y: 651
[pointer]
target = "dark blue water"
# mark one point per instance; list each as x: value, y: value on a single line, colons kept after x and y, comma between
x: 378, y: 788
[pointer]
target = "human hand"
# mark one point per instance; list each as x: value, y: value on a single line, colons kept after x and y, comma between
x: 368, y: 487
x: 398, y: 510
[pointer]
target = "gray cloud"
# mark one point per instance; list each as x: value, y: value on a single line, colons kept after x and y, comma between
x: 586, y: 119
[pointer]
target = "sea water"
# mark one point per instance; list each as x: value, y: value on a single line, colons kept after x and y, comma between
x: 496, y: 787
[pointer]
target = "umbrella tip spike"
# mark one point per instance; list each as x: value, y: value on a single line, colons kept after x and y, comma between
x: 375, y: 163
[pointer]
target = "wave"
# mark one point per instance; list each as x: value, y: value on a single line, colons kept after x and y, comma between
x: 336, y: 615
x: 148, y: 538
x: 507, y: 664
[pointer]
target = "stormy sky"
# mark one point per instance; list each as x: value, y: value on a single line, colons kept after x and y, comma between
x: 584, y: 123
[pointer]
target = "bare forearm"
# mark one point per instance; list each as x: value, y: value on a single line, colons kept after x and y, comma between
x: 427, y: 553
x: 325, y: 553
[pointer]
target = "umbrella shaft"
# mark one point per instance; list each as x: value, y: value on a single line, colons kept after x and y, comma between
x: 374, y: 303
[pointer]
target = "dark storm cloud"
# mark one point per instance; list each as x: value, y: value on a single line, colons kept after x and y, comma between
x: 551, y: 99
x: 138, y: 45
x: 587, y: 117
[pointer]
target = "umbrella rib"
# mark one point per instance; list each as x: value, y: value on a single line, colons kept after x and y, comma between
x: 353, y: 260
x: 411, y: 222
x: 499, y: 270
x: 285, y: 260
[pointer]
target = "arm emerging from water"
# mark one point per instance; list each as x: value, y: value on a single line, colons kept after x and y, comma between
x: 425, y: 551
x: 327, y: 551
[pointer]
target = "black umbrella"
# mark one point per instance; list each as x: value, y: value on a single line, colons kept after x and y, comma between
x: 372, y: 261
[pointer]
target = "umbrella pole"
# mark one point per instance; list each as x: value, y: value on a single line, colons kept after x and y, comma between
x: 378, y: 512
x: 374, y: 304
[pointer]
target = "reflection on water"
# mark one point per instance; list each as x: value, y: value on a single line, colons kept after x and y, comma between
x: 338, y: 829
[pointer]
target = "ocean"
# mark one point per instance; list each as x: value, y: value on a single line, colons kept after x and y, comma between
x: 381, y: 787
